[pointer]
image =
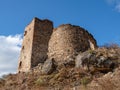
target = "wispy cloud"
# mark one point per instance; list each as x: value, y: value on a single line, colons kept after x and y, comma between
x: 9, y: 53
x: 117, y: 7
x: 115, y: 3
x: 111, y: 1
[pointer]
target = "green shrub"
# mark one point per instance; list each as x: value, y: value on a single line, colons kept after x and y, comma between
x: 42, y: 81
x: 85, y: 81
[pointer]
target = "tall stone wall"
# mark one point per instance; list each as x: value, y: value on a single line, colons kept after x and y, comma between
x: 26, y: 50
x: 35, y: 44
x: 43, y: 30
x: 67, y: 40
x: 41, y: 41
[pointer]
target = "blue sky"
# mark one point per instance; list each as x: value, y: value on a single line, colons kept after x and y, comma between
x: 100, y: 17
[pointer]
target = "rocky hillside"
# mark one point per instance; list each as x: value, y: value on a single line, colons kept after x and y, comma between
x: 97, y: 69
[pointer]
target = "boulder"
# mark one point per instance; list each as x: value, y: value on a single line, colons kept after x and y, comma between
x: 104, y: 62
x: 48, y: 67
x: 85, y: 60
x: 92, y: 61
x: 69, y: 63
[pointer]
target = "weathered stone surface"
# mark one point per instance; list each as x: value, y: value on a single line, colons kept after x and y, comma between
x: 85, y: 60
x: 69, y: 63
x: 67, y: 40
x: 35, y: 44
x: 109, y: 81
x: 48, y: 67
x: 93, y: 60
x: 38, y: 68
x: 40, y: 43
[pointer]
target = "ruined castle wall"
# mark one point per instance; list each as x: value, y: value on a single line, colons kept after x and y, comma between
x: 41, y: 42
x: 35, y: 44
x: 67, y: 40
x: 42, y: 33
x: 26, y: 50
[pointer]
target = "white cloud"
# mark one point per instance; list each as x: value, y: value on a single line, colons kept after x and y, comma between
x: 117, y: 7
x: 115, y: 3
x: 9, y: 53
x: 111, y: 1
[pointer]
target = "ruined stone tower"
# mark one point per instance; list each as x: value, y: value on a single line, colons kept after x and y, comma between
x: 42, y: 42
x: 35, y: 44
x: 67, y: 40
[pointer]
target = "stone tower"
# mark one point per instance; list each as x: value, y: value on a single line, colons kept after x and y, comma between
x: 35, y: 44
x: 67, y: 40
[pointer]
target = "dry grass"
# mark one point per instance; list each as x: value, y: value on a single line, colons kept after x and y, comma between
x: 68, y: 78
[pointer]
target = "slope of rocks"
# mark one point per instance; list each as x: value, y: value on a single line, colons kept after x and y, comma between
x: 91, y: 70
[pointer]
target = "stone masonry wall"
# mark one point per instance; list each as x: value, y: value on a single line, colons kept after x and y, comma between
x: 41, y: 41
x: 43, y: 31
x: 26, y: 50
x: 35, y: 44
x: 67, y: 40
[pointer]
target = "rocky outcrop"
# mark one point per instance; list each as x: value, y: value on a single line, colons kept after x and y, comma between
x: 48, y: 67
x: 94, y: 70
x: 109, y: 81
x: 101, y: 59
